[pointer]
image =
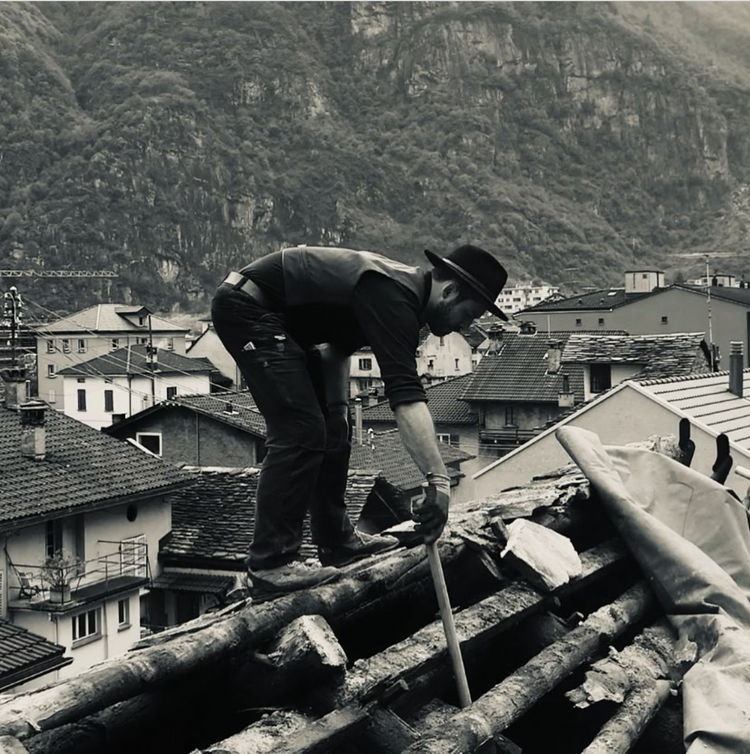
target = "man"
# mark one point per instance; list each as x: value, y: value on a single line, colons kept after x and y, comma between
x: 291, y: 320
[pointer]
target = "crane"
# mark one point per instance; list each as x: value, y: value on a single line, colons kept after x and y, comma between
x: 58, y: 273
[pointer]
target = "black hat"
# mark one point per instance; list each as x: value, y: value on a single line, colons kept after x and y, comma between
x: 478, y: 269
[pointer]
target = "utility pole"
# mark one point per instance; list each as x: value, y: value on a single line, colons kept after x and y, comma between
x: 12, y: 315
x: 710, y: 326
x: 150, y: 350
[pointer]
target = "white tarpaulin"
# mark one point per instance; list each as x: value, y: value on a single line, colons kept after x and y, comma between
x: 691, y: 538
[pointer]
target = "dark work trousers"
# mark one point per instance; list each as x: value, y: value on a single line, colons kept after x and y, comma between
x: 307, y: 450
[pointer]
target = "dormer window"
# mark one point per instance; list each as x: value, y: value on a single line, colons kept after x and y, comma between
x: 601, y: 377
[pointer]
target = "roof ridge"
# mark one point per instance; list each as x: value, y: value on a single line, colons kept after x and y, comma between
x: 686, y: 377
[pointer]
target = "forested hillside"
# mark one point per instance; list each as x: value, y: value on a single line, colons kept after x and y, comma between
x: 174, y: 141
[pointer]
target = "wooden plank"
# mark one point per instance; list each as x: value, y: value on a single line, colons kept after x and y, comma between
x: 626, y: 726
x: 511, y: 698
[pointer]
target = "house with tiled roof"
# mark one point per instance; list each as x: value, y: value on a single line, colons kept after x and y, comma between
x: 647, y: 307
x: 203, y: 557
x: 96, y: 331
x: 531, y: 378
x: 25, y: 656
x: 81, y: 515
x: 108, y: 388
x: 714, y: 403
x: 442, y: 356
x: 217, y: 429
x: 455, y: 423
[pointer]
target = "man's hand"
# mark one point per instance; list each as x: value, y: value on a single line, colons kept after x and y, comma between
x: 431, y: 512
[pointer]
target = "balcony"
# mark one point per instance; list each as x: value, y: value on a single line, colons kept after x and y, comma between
x: 60, y: 587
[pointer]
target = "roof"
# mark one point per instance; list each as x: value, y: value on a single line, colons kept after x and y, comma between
x: 109, y: 318
x: 384, y: 452
x: 734, y: 295
x: 518, y: 372
x: 443, y: 402
x: 24, y: 655
x: 668, y: 355
x: 214, y: 519
x: 83, y: 468
x: 203, y: 583
x: 135, y: 360
x: 706, y: 399
x: 608, y: 298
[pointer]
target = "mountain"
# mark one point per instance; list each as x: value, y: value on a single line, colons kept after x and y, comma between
x: 172, y: 142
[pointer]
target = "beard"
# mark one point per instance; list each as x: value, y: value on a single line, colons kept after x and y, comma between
x: 440, y: 322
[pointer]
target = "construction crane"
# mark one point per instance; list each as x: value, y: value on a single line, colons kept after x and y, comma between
x: 58, y: 274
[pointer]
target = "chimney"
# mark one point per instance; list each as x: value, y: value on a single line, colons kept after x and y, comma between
x: 495, y: 335
x: 565, y: 399
x: 358, y: 420
x: 15, y: 386
x: 554, y: 356
x: 736, y: 359
x: 527, y: 328
x: 33, y: 430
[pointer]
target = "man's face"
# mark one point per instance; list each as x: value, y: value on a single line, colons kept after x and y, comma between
x: 454, y: 313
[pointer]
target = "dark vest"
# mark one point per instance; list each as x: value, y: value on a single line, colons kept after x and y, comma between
x: 324, y: 275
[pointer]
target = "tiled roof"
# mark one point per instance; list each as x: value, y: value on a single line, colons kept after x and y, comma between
x: 215, y: 518
x: 134, y: 360
x: 518, y: 372
x: 204, y: 583
x: 106, y: 318
x: 735, y: 295
x: 83, y: 467
x: 442, y: 400
x: 24, y: 655
x: 609, y: 298
x: 235, y: 408
x: 668, y: 355
x: 384, y: 452
x: 706, y: 399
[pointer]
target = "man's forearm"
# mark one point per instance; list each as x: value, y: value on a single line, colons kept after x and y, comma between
x: 417, y: 432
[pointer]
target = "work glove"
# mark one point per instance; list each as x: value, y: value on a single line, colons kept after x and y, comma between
x: 431, y: 512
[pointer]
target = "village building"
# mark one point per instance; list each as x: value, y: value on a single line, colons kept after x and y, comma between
x: 80, y: 524
x: 109, y: 388
x: 97, y: 331
x: 645, y: 306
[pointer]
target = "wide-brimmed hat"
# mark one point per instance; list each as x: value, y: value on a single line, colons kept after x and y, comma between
x: 478, y: 269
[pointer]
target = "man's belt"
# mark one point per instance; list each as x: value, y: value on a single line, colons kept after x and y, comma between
x: 241, y: 283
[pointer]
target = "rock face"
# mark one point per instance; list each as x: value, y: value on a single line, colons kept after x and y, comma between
x: 172, y: 142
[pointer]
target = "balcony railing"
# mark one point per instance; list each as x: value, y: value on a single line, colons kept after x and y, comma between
x: 121, y: 564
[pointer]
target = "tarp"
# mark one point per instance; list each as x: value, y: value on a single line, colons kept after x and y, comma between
x: 691, y: 539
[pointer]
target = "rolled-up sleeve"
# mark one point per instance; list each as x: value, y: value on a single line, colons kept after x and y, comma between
x: 388, y: 316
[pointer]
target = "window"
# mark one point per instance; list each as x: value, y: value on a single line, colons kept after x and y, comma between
x: 66, y: 345
x: 51, y: 397
x: 579, y: 322
x: 665, y: 320
x: 115, y: 344
x: 117, y: 418
x: 442, y: 340
x: 365, y: 364
x: 601, y: 321
x: 457, y: 365
x: 171, y: 393
x: 447, y: 439
x: 51, y: 346
x: 53, y: 537
x: 431, y: 363
x: 51, y: 370
x: 81, y: 400
x: 141, y: 321
x: 143, y: 341
x: 150, y: 440
x: 601, y: 377
x: 170, y: 344
x: 87, y: 625
x: 510, y: 416
x: 134, y: 556
x: 81, y: 380
x: 474, y: 363
x: 109, y: 400
x: 81, y: 345
x: 123, y: 613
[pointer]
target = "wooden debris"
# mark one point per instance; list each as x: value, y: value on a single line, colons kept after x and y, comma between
x: 648, y: 659
x: 547, y: 559
x: 264, y: 736
x: 621, y: 731
x: 507, y: 701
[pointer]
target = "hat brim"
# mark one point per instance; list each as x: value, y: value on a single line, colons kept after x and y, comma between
x: 438, y: 261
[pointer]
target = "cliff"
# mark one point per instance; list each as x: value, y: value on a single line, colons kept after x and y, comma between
x: 173, y: 141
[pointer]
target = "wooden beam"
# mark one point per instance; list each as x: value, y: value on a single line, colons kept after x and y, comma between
x: 511, y: 698
x: 626, y: 726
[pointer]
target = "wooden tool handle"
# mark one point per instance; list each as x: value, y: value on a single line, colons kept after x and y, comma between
x: 446, y: 615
